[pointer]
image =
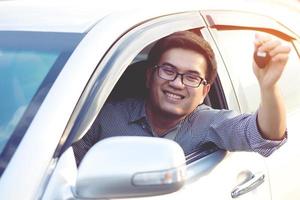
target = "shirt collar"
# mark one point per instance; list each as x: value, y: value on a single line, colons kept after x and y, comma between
x: 138, y: 111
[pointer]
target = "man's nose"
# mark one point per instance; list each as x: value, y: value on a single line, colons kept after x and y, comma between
x: 177, y: 82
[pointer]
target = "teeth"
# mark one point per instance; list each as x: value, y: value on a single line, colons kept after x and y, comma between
x: 174, y: 96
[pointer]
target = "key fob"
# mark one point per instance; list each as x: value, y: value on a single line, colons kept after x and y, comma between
x: 261, y: 58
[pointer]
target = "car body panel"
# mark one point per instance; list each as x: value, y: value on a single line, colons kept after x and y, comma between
x: 220, y: 182
x: 283, y: 164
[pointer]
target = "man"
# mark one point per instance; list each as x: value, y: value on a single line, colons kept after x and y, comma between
x: 181, y: 69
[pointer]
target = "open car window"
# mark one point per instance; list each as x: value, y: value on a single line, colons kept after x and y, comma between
x: 121, y: 76
x: 132, y: 85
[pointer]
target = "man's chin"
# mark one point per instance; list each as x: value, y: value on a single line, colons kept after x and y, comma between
x: 173, y: 112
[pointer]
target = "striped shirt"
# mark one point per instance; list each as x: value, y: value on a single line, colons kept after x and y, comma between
x: 229, y: 130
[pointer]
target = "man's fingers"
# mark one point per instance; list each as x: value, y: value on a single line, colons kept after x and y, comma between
x: 269, y: 45
x: 274, y: 48
x: 280, y: 50
x: 260, y: 40
x: 282, y: 58
x: 277, y: 49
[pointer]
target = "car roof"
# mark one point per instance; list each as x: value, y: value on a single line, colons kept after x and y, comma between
x: 80, y: 16
x: 31, y: 16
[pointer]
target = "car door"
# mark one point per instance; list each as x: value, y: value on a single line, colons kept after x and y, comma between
x: 211, y: 173
x: 234, y: 35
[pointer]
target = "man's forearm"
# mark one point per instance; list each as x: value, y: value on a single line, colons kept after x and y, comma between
x: 272, y: 114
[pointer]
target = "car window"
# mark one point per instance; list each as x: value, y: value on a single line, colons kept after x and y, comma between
x: 29, y: 64
x: 119, y: 56
x: 237, y: 47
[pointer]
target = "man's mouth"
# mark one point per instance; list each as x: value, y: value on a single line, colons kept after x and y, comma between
x: 173, y: 96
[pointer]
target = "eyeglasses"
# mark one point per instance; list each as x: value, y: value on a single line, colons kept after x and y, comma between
x: 169, y: 73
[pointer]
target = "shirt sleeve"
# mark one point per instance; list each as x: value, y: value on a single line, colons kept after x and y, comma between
x: 259, y: 144
x: 239, y: 132
x: 82, y: 146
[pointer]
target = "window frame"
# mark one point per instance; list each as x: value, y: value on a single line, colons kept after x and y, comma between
x: 113, y: 65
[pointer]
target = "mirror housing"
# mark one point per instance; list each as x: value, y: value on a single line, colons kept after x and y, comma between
x: 133, y: 166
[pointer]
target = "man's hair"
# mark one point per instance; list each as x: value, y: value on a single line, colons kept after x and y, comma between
x: 185, y: 40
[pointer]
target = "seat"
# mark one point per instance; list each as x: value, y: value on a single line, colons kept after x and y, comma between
x: 132, y: 82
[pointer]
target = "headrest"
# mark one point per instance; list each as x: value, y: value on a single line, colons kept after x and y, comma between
x: 132, y: 82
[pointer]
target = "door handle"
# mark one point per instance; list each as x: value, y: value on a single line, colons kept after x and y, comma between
x: 252, y: 183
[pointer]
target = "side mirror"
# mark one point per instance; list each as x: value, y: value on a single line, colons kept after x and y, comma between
x: 132, y: 166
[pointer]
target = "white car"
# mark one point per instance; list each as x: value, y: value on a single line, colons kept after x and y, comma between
x: 58, y: 66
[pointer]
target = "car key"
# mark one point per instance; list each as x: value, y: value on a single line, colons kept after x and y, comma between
x: 261, y: 58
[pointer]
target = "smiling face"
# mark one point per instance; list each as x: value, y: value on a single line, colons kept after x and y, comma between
x: 173, y: 99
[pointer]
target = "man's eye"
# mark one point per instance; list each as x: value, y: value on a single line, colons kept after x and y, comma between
x: 169, y: 71
x: 192, y: 78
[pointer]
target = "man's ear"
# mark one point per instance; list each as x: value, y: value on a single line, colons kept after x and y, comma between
x: 206, y: 89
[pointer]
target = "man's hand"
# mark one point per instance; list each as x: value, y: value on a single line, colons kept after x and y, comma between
x: 271, y: 113
x: 270, y: 74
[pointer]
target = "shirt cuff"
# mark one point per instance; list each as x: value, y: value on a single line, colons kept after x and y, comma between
x: 259, y: 144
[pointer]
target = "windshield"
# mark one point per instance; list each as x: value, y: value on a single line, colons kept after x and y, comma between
x: 29, y: 64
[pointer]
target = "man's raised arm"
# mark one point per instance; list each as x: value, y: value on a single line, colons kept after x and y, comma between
x: 271, y: 113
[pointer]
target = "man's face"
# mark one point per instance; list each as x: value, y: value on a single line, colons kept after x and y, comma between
x: 173, y: 98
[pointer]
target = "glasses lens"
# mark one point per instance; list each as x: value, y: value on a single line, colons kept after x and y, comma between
x: 169, y: 73
x: 166, y: 72
x: 191, y: 80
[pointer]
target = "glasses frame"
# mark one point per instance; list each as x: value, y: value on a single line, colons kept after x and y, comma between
x: 202, y: 80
